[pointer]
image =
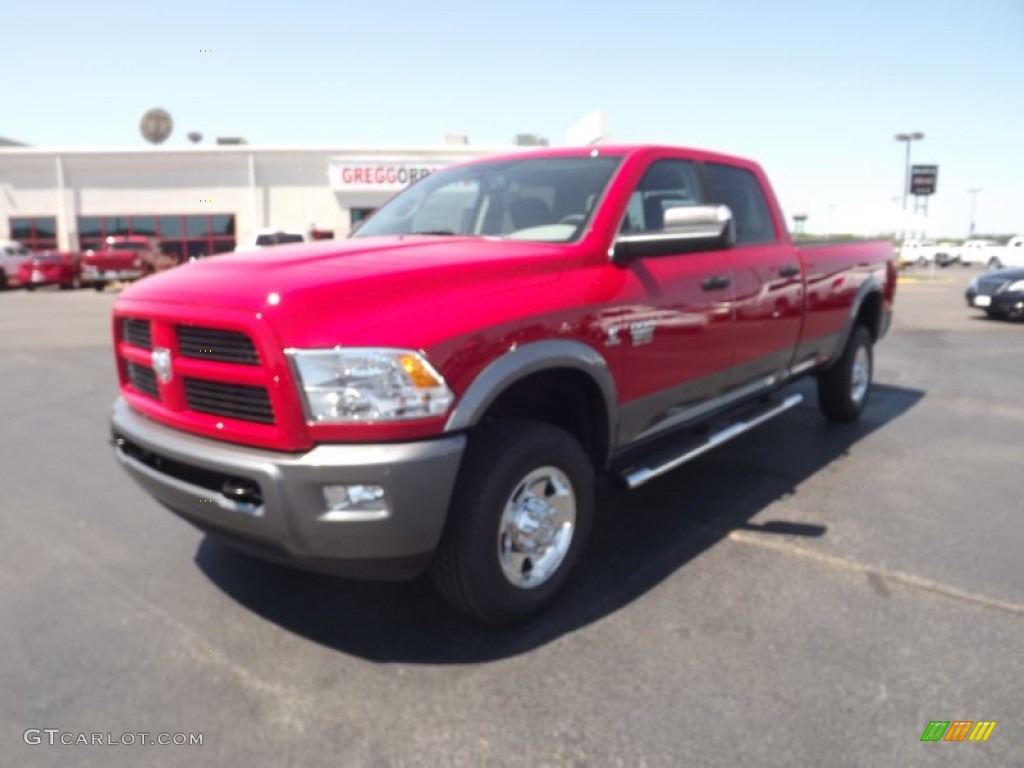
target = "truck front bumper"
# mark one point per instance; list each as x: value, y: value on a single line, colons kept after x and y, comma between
x: 273, y: 505
x: 94, y: 275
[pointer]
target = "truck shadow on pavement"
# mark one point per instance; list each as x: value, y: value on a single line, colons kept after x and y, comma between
x: 640, y: 539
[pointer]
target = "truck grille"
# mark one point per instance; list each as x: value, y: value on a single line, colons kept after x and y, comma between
x: 137, y: 333
x: 236, y: 401
x: 216, y: 344
x: 143, y: 379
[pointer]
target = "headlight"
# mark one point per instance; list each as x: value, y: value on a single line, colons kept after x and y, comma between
x: 1015, y: 286
x: 369, y: 384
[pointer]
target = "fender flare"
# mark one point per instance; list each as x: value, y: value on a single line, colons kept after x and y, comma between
x: 868, y: 288
x: 526, y: 360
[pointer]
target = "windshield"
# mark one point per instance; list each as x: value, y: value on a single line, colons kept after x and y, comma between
x: 544, y: 199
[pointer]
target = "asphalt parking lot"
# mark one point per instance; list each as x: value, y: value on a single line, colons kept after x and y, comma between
x: 808, y: 595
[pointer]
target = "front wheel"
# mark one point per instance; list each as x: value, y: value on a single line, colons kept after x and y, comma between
x: 519, y: 521
x: 843, y: 389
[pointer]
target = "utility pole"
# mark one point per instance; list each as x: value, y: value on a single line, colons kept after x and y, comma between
x: 907, y: 138
x: 974, y: 202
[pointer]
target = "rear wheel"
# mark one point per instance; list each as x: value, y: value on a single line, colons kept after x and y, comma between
x: 519, y: 521
x: 843, y: 389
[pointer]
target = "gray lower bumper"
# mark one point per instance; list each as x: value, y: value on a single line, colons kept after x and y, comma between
x: 286, y: 517
x: 111, y: 274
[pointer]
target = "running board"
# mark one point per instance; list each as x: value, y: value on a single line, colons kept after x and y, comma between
x: 637, y: 476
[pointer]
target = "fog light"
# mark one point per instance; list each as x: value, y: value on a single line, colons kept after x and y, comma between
x: 355, y: 502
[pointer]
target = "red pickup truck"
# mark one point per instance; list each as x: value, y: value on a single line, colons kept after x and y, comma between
x: 438, y: 391
x: 120, y: 257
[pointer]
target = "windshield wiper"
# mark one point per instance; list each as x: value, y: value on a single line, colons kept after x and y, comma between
x: 434, y: 232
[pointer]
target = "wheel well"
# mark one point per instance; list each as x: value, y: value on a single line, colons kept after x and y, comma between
x: 870, y: 314
x: 563, y: 397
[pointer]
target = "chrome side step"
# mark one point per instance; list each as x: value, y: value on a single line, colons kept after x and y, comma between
x: 637, y: 476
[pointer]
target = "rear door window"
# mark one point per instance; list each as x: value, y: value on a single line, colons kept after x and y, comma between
x: 740, y: 190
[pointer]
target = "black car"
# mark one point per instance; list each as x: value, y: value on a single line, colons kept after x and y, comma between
x: 999, y: 293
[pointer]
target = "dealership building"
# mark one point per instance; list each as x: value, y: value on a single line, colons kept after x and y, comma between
x: 202, y: 199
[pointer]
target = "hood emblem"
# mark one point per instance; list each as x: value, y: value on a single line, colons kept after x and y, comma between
x: 162, y: 363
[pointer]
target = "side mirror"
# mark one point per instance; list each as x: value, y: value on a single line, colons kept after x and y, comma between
x: 687, y: 229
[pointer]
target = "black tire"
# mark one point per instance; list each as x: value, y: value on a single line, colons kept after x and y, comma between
x: 837, y: 396
x: 29, y: 287
x: 74, y: 285
x: 996, y: 314
x: 467, y: 567
x: 98, y: 285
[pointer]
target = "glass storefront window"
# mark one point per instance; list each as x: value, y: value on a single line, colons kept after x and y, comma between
x: 223, y: 225
x: 144, y: 225
x: 356, y: 215
x: 89, y: 227
x: 197, y: 226
x: 37, y: 233
x: 170, y: 226
x: 180, y: 236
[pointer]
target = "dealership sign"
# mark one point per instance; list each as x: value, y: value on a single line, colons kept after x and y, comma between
x: 378, y: 175
x: 923, y: 179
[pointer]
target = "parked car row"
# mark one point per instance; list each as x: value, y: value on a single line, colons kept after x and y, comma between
x: 976, y: 251
x: 120, y: 257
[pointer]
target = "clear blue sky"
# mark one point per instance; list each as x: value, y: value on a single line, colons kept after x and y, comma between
x: 813, y: 90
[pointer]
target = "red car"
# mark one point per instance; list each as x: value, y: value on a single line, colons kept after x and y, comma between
x: 63, y: 268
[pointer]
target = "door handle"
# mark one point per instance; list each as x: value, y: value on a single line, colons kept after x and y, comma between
x: 715, y: 283
x: 789, y: 270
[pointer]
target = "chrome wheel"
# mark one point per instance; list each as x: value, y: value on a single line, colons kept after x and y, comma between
x: 537, y: 526
x: 860, y: 376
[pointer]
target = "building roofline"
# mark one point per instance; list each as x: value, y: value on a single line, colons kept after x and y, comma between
x: 243, y: 149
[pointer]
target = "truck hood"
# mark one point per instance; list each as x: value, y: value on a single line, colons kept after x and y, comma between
x: 332, y: 292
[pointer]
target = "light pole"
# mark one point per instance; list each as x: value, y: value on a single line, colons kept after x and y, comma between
x: 974, y: 202
x: 907, y: 137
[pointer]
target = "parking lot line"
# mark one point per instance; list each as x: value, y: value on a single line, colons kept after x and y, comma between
x: 853, y: 566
